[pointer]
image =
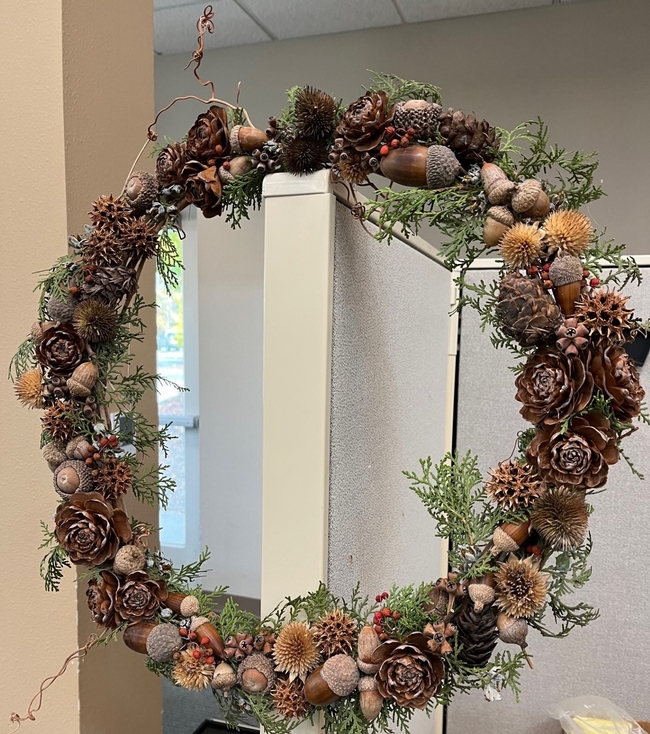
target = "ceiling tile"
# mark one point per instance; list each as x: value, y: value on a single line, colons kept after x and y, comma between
x: 415, y: 11
x: 294, y: 18
x: 175, y: 27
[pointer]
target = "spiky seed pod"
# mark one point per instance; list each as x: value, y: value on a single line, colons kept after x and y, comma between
x: 101, y: 248
x: 289, y: 699
x: 477, y: 632
x: 513, y: 486
x: 442, y: 167
x: 57, y: 424
x: 568, y: 231
x: 72, y: 476
x: 520, y: 587
x: 94, y: 321
x: 224, y: 677
x: 521, y: 245
x: 315, y: 113
x: 141, y: 191
x: 255, y: 673
x: 530, y: 199
x: 512, y: 631
x: 83, y: 379
x: 163, y: 642
x: 295, y: 651
x: 353, y: 167
x: 53, y: 455
x: 561, y: 517
x: 607, y: 317
x: 108, y: 212
x: 138, y: 240
x: 114, y: 479
x: 191, y: 672
x: 302, y: 155
x: 29, y: 388
x: 190, y: 606
x: 418, y: 114
x: 129, y: 558
x: 61, y: 310
x: 335, y: 633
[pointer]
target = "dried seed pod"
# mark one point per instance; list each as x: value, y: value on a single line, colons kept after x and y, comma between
x: 224, y: 677
x: 530, y: 199
x: 512, y: 630
x: 189, y: 606
x: 370, y: 700
x: 163, y: 642
x: 72, y: 476
x: 83, y: 379
x: 337, y: 677
x: 129, y: 558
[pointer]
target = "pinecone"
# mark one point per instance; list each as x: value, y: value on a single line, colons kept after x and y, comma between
x: 607, y: 317
x: 527, y: 312
x: 616, y: 376
x: 113, y: 479
x: 203, y: 188
x: 418, y: 114
x: 477, y: 633
x: 363, y: 123
x: 513, y: 486
x: 57, y: 423
x: 472, y: 141
x: 208, y: 139
x: 335, y: 633
x: 110, y: 284
x: 170, y: 163
x: 289, y: 699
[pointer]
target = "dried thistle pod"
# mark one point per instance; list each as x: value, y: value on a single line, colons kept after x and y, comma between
x: 163, y: 642
x: 190, y: 606
x: 498, y: 221
x: 256, y: 674
x: 512, y: 630
x: 368, y: 642
x: 530, y: 199
x: 246, y: 139
x: 83, y: 379
x: 481, y: 592
x: 29, y: 388
x: 129, y: 558
x: 224, y: 677
x: 72, y: 476
x: 337, y: 677
x: 521, y: 245
x: 498, y: 187
x: 568, y: 231
x: 507, y: 538
x: 566, y: 275
x: 295, y: 651
x: 370, y: 700
x: 53, y: 455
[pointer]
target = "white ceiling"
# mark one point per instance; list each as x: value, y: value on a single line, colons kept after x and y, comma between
x: 238, y: 22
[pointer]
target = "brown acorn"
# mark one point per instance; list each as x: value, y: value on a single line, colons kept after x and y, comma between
x: 406, y: 166
x: 135, y: 636
x: 246, y: 139
x: 530, y: 199
x: 481, y: 592
x: 498, y: 222
x: 370, y: 700
x: 337, y: 677
x: 498, y: 187
x: 255, y: 673
x: 204, y: 628
x: 83, y: 379
x: 508, y: 538
x: 368, y: 642
x: 566, y: 275
x: 173, y: 601
x: 224, y: 677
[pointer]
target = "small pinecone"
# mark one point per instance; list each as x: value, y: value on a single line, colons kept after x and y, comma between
x: 302, y: 155
x: 94, y: 321
x: 315, y: 114
x: 527, y: 312
x: 110, y: 284
x: 418, y: 114
x: 57, y: 423
x: 335, y: 633
x: 113, y: 479
x: 289, y: 699
x: 59, y: 310
x: 108, y: 212
x: 170, y: 164
x: 472, y: 141
x: 477, y: 633
x: 607, y: 317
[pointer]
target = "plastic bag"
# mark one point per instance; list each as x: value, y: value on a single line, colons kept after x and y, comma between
x: 593, y: 715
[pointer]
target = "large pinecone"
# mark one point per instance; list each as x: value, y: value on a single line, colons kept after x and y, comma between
x: 110, y: 284
x: 616, y: 376
x: 477, y: 632
x: 363, y: 123
x: 208, y: 138
x: 528, y: 313
x: 472, y: 140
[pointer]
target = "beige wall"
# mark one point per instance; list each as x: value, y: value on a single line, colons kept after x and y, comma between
x: 77, y: 98
x: 583, y: 66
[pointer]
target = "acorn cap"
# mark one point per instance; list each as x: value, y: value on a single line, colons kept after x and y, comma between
x: 256, y: 674
x: 503, y: 543
x: 141, y: 191
x: 53, y: 455
x: 502, y: 214
x: 129, y: 558
x: 564, y: 270
x: 525, y: 195
x: 367, y: 683
x: 341, y: 674
x: 442, y: 167
x: 224, y: 677
x: 190, y: 606
x: 197, y: 622
x: 501, y: 192
x: 163, y: 642
x: 77, y: 448
x: 72, y: 476
x: 481, y: 595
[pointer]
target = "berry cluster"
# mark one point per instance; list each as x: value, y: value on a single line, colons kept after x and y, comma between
x: 385, y: 618
x: 202, y: 649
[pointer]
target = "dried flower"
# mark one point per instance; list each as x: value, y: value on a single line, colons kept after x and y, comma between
x: 193, y: 672
x: 295, y: 652
x: 101, y: 600
x: 568, y: 231
x: 363, y: 123
x: 520, y: 587
x: 139, y: 597
x: 560, y: 516
x: 521, y: 245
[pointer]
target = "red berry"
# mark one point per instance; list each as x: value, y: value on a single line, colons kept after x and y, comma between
x: 226, y: 165
x: 547, y: 284
x: 196, y: 654
x: 394, y: 143
x: 218, y: 149
x: 545, y: 275
x: 546, y: 267
x: 533, y: 270
x: 192, y: 635
x: 383, y: 636
x: 411, y: 131
x: 204, y: 640
x: 384, y: 595
x: 390, y: 130
x: 594, y: 282
x: 384, y: 150
x: 386, y: 612
x: 74, y: 291
x: 114, y: 441
x: 378, y: 617
x: 103, y: 441
x: 378, y: 628
x: 183, y: 631
x: 209, y: 660
x: 378, y: 598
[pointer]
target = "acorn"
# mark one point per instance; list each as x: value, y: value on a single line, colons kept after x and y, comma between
x: 174, y: 601
x: 498, y: 222
x: 83, y: 379
x: 141, y: 191
x: 236, y: 167
x: 255, y: 673
x: 204, y: 628
x: 512, y: 630
x: 136, y: 635
x: 481, y: 592
x: 224, y: 677
x: 566, y: 275
x: 129, y: 558
x: 189, y: 606
x: 72, y: 476
x: 434, y: 167
x: 39, y: 328
x: 367, y: 643
x: 337, y: 677
x: 507, y: 538
x: 163, y: 642
x: 53, y: 455
x: 498, y: 187
x: 246, y: 139
x: 370, y: 700
x: 530, y: 199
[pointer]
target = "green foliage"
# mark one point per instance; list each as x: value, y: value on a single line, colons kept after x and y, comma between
x: 23, y: 360
x: 288, y: 115
x: 180, y: 580
x: 609, y: 263
x: 262, y: 709
x: 56, y: 559
x: 169, y: 260
x: 57, y: 281
x: 234, y: 619
x: 399, y: 90
x: 241, y: 195
x: 409, y: 601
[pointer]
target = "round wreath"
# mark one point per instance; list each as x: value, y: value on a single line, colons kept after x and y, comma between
x: 518, y: 541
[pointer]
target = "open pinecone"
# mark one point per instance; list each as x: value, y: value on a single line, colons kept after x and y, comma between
x: 608, y: 319
x: 617, y: 377
x: 170, y: 164
x: 363, y: 123
x: 513, y: 486
x: 101, y: 600
x: 208, y: 139
x: 477, y: 633
x: 335, y: 633
x: 61, y: 350
x: 552, y: 386
x: 527, y: 312
x: 110, y: 284
x: 472, y: 140
x: 203, y: 187
x: 139, y: 597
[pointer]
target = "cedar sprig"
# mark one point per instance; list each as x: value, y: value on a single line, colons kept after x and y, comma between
x: 242, y: 195
x: 55, y: 560
x: 169, y: 259
x: 262, y: 708
x: 151, y: 485
x: 57, y: 281
x: 234, y: 619
x: 182, y: 578
x: 400, y: 90
x: 23, y: 359
x: 409, y: 601
x: 609, y: 263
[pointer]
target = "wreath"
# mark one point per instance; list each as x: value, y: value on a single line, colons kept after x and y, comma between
x: 519, y: 540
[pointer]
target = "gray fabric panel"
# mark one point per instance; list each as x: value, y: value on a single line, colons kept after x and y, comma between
x: 609, y: 657
x: 389, y: 362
